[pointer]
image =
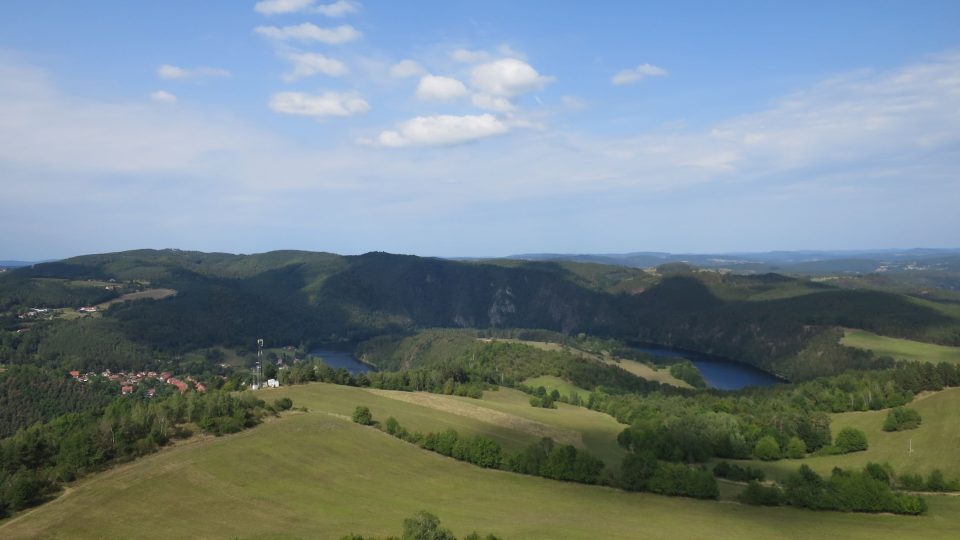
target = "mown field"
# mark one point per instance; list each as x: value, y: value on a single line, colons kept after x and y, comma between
x: 318, y: 475
x: 903, y: 349
x: 936, y: 443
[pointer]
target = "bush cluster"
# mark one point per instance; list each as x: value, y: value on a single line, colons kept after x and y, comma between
x: 642, y: 471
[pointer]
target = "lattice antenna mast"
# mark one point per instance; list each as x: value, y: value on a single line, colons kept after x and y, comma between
x: 259, y: 372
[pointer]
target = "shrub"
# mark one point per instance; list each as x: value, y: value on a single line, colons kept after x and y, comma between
x: 425, y: 526
x: 283, y: 404
x: 362, y: 416
x: 796, y: 448
x: 737, y: 473
x: 901, y: 419
x: 767, y: 449
x: 760, y: 495
x: 391, y: 426
x: 851, y: 440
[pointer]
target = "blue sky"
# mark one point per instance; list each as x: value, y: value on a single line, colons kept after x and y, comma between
x: 478, y: 128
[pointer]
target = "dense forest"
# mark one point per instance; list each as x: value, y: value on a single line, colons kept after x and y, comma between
x: 780, y: 324
x: 36, y: 461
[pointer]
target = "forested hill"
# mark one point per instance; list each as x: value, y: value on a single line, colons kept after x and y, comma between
x: 782, y: 324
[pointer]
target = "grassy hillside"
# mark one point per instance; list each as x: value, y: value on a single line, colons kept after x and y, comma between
x: 551, y: 383
x: 318, y: 475
x: 901, y: 349
x: 935, y: 442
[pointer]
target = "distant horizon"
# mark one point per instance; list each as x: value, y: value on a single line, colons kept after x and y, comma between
x: 5, y: 260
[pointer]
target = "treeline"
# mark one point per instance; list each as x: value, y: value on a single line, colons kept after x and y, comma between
x: 687, y: 372
x: 869, y: 490
x: 36, y: 461
x: 792, y: 420
x: 30, y: 394
x: 543, y: 458
x: 468, y: 357
x: 642, y: 471
x: 20, y: 290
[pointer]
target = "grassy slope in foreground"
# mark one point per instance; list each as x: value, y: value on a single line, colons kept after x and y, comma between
x: 315, y: 475
x: 904, y: 349
x: 935, y: 442
x: 504, y: 416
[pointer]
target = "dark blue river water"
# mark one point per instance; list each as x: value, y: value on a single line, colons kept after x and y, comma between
x: 342, y: 359
x: 719, y: 373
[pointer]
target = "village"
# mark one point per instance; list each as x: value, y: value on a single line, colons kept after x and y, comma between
x: 130, y: 381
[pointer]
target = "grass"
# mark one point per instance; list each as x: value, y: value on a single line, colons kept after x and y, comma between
x: 152, y: 294
x: 552, y: 383
x: 644, y: 371
x: 935, y: 442
x: 504, y: 416
x: 639, y: 369
x: 317, y: 475
x: 904, y: 349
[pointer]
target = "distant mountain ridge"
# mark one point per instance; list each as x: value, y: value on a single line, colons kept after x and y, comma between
x: 788, y: 326
x: 794, y: 262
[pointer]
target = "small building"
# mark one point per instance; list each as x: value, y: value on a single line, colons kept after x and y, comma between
x: 75, y: 374
x: 273, y: 383
x: 126, y: 390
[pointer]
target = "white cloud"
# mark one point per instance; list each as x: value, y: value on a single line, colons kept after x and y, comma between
x: 406, y: 68
x: 338, y: 8
x: 318, y: 105
x: 440, y: 88
x: 573, y: 103
x: 278, y: 7
x: 507, y: 77
x: 486, y: 101
x: 470, y: 57
x: 306, y: 64
x: 167, y: 71
x: 309, y: 32
x: 442, y: 130
x: 162, y: 96
x: 637, y: 74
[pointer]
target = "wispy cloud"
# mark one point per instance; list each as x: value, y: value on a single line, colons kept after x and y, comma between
x: 435, y: 87
x: 168, y: 71
x: 637, y: 74
x: 309, y: 32
x: 162, y: 96
x: 307, y: 64
x: 467, y: 56
x: 280, y: 7
x: 442, y: 130
x: 318, y: 105
x: 406, y: 68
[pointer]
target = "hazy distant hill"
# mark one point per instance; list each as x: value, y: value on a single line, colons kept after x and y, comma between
x: 794, y: 262
x: 294, y: 297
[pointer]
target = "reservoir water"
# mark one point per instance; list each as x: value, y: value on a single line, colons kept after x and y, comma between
x: 719, y: 373
x: 342, y: 359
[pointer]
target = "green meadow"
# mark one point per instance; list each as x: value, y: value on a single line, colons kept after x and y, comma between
x: 903, y: 349
x: 936, y: 443
x: 318, y: 475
